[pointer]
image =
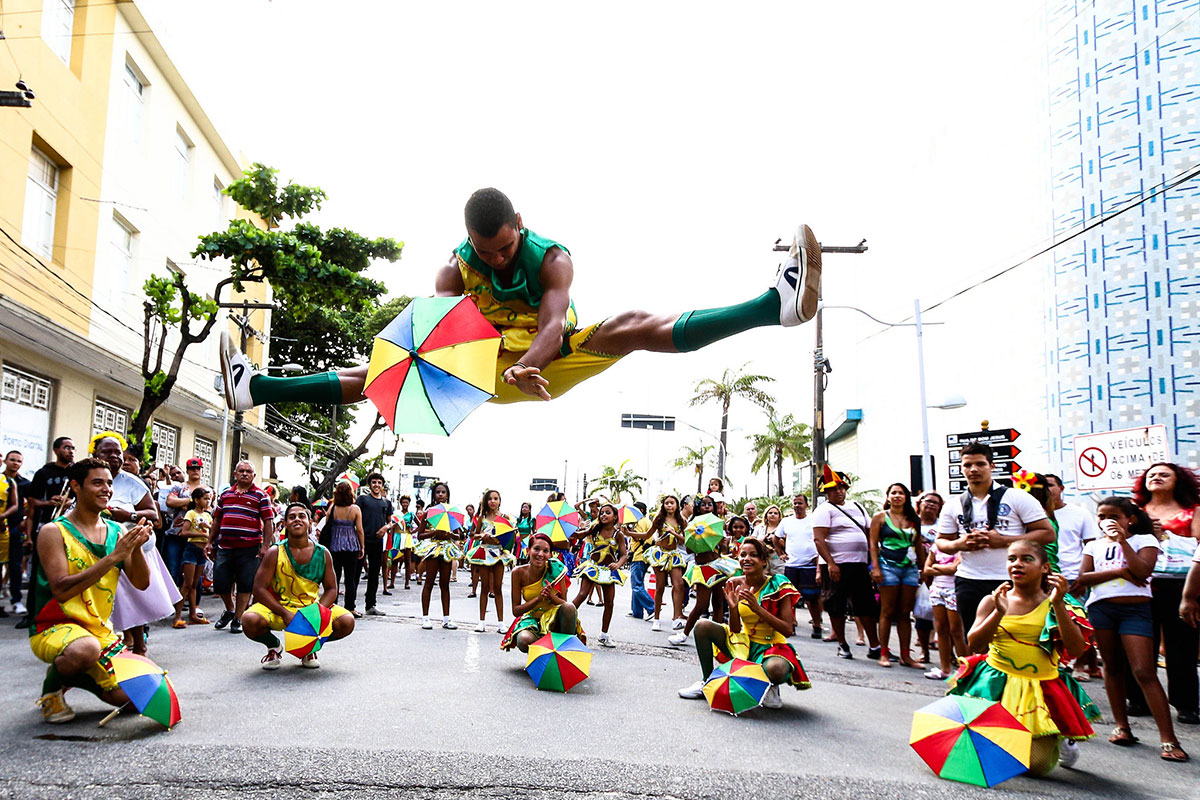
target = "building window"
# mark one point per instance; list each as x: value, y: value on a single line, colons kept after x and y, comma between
x: 218, y: 193
x: 183, y: 161
x: 133, y: 97
x: 166, y: 439
x: 205, y: 450
x: 121, y: 244
x: 25, y: 389
x: 58, y: 19
x: 41, y: 198
x: 109, y: 417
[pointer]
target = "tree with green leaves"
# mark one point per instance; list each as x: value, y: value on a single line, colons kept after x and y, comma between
x: 784, y: 437
x: 617, y: 481
x: 732, y: 383
x: 695, y: 458
x: 307, y: 268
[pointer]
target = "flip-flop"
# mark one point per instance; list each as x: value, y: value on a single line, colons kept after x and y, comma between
x: 178, y: 624
x: 1122, y: 737
x: 1171, y: 751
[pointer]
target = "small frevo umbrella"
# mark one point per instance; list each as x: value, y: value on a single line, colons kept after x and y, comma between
x: 704, y: 533
x: 627, y: 515
x: 504, y: 532
x: 445, y: 518
x: 971, y: 740
x: 558, y: 520
x: 736, y: 686
x: 433, y: 365
x: 147, y: 687
x: 348, y: 477
x: 558, y: 661
x: 308, y: 630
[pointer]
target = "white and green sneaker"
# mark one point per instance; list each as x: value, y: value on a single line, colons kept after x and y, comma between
x: 799, y: 279
x: 236, y: 372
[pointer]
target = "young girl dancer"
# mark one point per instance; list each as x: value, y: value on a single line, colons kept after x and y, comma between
x: 762, y: 614
x: 1025, y: 629
x: 604, y: 563
x: 667, y: 557
x: 539, y: 605
x: 1117, y: 566
x: 490, y: 557
x: 438, y: 551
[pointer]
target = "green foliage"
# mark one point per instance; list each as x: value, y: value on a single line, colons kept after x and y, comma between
x: 784, y: 503
x: 783, y: 438
x: 617, y: 481
x: 259, y: 191
x: 733, y: 383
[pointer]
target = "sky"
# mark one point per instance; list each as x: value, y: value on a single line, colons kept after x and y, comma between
x: 667, y: 145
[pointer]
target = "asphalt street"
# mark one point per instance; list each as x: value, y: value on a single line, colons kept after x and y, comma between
x: 444, y: 714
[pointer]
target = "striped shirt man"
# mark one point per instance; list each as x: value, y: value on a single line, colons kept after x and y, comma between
x: 240, y: 517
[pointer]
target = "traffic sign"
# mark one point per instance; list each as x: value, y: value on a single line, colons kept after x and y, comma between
x: 651, y: 422
x: 543, y: 485
x: 1115, y: 459
x: 958, y: 487
x: 999, y: 453
x: 999, y: 469
x: 992, y: 437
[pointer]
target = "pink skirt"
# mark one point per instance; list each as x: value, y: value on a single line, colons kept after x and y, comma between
x: 133, y: 607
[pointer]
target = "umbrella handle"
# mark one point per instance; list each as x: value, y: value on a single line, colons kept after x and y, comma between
x: 112, y: 715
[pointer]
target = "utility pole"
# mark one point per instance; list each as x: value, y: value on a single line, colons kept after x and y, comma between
x: 247, y: 331
x: 821, y: 369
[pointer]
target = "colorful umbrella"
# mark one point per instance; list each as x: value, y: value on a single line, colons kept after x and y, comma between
x: 445, y: 518
x: 736, y: 686
x: 308, y: 630
x: 348, y: 477
x: 558, y: 520
x: 970, y: 740
x: 558, y: 661
x: 147, y: 687
x: 704, y: 533
x: 320, y: 503
x: 505, y: 532
x: 433, y: 365
x: 627, y: 515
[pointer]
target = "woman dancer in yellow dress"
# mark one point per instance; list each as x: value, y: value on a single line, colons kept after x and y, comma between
x: 603, y: 565
x: 538, y: 598
x: 667, y: 558
x: 490, y: 557
x: 1020, y: 633
x: 762, y: 615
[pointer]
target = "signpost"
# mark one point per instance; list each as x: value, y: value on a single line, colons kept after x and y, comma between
x: 543, y: 485
x: 651, y: 422
x: 1004, y: 454
x: 1115, y: 459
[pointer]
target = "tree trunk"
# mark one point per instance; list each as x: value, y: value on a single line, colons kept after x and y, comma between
x: 724, y: 436
x: 699, y: 475
x: 779, y: 468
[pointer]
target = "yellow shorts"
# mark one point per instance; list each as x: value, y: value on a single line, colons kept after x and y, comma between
x: 563, y: 373
x: 275, y: 622
x: 50, y: 644
x: 3, y: 542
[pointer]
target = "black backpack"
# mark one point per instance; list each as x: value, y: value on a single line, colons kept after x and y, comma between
x: 993, y: 508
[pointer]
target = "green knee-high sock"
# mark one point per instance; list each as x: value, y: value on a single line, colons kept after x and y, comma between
x: 53, y: 681
x: 270, y: 640
x: 697, y: 329
x: 323, y: 388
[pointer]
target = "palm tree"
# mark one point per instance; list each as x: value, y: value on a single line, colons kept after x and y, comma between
x: 617, y: 481
x: 698, y: 458
x: 733, y: 383
x: 784, y: 437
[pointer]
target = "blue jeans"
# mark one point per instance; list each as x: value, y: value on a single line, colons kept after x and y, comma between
x: 173, y: 556
x: 642, y: 602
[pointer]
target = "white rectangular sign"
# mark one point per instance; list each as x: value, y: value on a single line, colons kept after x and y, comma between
x: 1115, y: 459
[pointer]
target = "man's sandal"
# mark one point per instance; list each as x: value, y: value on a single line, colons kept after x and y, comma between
x: 1122, y: 737
x: 1171, y: 751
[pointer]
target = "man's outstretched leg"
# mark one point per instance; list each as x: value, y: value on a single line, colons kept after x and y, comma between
x: 792, y: 301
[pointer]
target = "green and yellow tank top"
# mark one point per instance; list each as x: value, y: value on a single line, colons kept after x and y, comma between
x: 298, y: 585
x: 896, y: 545
x: 92, y: 608
x: 511, y: 304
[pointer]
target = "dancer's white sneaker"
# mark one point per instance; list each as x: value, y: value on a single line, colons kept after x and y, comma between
x: 236, y: 371
x: 799, y: 279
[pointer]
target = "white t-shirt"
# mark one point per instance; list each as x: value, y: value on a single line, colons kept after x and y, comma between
x: 128, y: 491
x: 797, y: 535
x: 1107, y: 554
x: 1017, y: 510
x: 847, y: 541
x: 1076, y: 527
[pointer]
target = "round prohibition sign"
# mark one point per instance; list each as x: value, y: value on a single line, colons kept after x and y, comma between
x: 1092, y: 462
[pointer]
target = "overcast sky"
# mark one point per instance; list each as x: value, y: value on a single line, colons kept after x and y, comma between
x: 667, y: 145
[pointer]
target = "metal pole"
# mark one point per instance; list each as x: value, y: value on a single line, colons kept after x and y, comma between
x: 926, y: 463
x: 220, y: 466
x: 238, y: 420
x: 818, y: 438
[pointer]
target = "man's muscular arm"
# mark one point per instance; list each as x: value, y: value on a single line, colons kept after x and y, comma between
x: 556, y: 276
x: 449, y: 282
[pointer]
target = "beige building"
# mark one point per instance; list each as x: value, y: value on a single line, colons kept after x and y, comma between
x: 107, y: 179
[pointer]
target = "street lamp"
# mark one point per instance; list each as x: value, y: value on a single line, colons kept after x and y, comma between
x: 210, y: 414
x: 721, y: 449
x: 954, y: 401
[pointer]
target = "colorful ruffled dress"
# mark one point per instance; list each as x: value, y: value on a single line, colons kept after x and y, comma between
x: 487, y: 555
x: 667, y: 553
x: 1021, y: 671
x: 714, y: 573
x: 445, y: 549
x: 603, y: 549
x: 757, y: 640
x: 539, y: 618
